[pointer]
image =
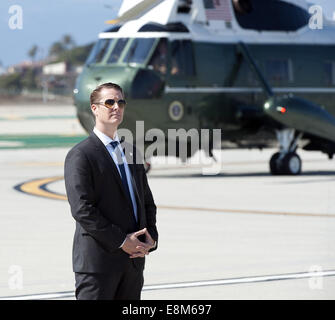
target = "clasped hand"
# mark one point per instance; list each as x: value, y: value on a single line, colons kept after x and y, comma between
x: 136, y: 248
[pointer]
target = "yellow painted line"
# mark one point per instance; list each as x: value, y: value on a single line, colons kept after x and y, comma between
x: 13, y: 117
x: 6, y: 143
x: 72, y: 134
x: 40, y: 164
x: 38, y: 188
x: 154, y: 169
x: 249, y: 211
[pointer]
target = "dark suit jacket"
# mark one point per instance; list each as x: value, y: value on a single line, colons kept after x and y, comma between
x: 101, y: 208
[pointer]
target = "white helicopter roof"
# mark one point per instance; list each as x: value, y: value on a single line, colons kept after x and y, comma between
x: 215, y: 24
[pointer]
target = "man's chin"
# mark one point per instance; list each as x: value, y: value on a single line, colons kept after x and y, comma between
x: 115, y: 121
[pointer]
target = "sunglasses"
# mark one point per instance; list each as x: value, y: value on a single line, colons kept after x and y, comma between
x: 109, y: 103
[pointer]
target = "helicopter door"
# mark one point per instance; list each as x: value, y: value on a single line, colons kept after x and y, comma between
x: 182, y: 68
x: 180, y: 80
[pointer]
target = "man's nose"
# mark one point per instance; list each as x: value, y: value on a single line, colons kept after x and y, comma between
x: 115, y: 106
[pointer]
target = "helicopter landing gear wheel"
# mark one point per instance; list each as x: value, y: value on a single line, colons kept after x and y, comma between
x: 289, y: 164
x: 286, y: 161
x: 292, y: 164
x: 275, y: 164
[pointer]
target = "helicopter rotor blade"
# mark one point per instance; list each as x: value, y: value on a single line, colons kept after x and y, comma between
x: 252, y: 64
x: 136, y: 12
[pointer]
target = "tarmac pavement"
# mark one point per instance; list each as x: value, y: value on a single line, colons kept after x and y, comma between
x: 239, y: 234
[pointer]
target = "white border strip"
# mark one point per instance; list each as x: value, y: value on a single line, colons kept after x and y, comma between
x: 190, y: 284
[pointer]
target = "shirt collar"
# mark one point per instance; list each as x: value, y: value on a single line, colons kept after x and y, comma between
x: 104, y: 138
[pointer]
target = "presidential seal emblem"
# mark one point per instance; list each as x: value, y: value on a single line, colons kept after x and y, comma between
x: 176, y: 110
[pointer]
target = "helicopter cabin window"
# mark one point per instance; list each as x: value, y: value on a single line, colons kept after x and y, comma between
x: 270, y: 15
x: 98, y: 51
x: 158, y: 61
x: 117, y: 50
x: 251, y: 77
x: 329, y: 73
x: 182, y: 59
x: 139, y: 50
x: 279, y: 71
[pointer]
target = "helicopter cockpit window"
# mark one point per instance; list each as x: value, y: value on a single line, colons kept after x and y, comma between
x: 158, y: 61
x: 98, y: 51
x: 182, y: 60
x: 139, y: 50
x: 270, y: 15
x: 117, y: 50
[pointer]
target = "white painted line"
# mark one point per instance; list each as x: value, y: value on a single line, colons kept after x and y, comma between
x: 190, y: 284
x: 246, y: 90
x: 42, y: 296
x: 242, y: 280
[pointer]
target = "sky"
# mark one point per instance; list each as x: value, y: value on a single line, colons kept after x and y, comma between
x: 46, y: 21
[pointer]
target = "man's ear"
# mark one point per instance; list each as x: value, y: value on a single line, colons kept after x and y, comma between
x: 94, y: 109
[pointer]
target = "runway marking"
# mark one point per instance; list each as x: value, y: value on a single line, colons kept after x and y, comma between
x: 14, y: 144
x: 37, y: 117
x: 40, y: 164
x: 39, y: 187
x: 165, y: 167
x: 325, y: 215
x: 32, y: 141
x: 191, y: 284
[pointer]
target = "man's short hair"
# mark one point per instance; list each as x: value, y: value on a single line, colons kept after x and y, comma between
x: 108, y: 85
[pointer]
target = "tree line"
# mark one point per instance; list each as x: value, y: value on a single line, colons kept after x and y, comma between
x: 29, y: 77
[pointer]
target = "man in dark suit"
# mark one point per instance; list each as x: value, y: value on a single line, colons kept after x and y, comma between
x: 112, y: 204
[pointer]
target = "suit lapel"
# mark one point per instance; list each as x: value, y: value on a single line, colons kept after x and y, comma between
x: 130, y: 157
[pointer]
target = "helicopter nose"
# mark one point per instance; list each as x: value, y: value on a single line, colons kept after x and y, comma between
x: 268, y: 105
x: 276, y: 106
x: 301, y: 114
